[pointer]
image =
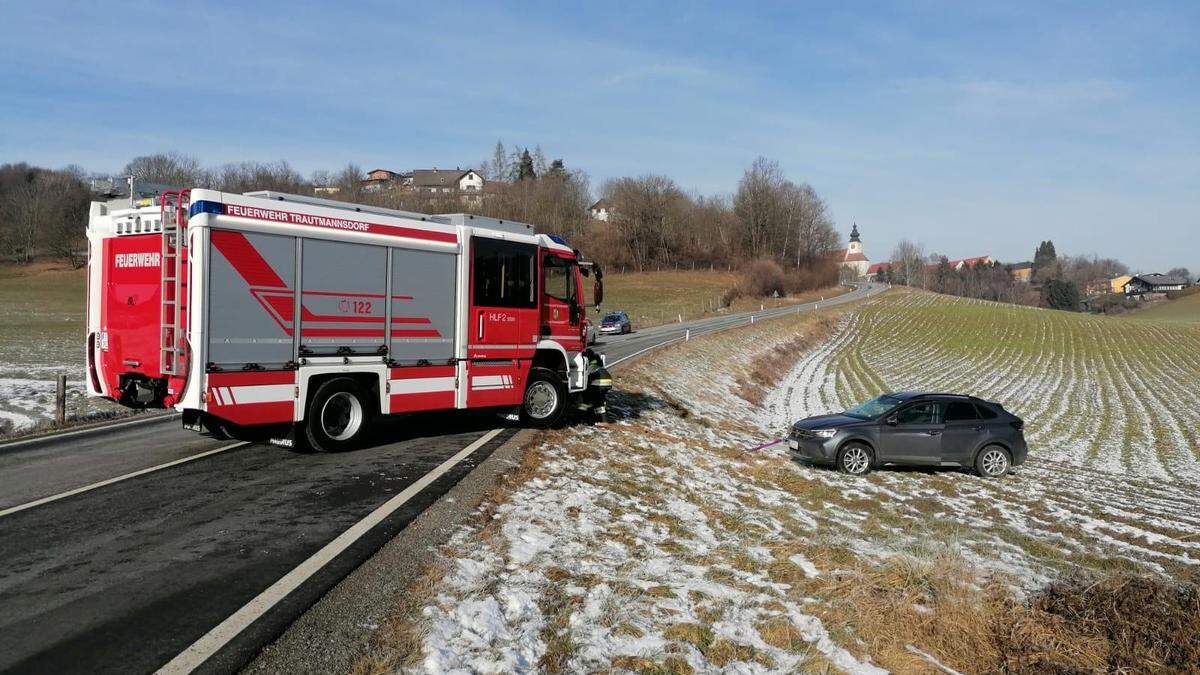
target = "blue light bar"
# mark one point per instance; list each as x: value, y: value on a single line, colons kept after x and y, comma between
x: 557, y: 239
x: 204, y: 206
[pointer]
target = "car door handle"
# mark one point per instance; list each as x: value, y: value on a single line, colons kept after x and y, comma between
x: 934, y: 432
x: 978, y: 428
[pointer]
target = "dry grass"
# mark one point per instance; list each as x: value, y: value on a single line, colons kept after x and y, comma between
x: 1080, y: 624
x: 653, y: 298
x: 770, y: 368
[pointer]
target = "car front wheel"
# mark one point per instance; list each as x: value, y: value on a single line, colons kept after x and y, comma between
x: 993, y: 462
x: 854, y: 459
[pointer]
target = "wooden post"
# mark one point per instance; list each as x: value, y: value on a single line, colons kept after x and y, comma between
x: 60, y: 400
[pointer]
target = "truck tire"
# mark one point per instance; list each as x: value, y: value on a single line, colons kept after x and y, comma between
x: 338, y: 416
x: 545, y: 398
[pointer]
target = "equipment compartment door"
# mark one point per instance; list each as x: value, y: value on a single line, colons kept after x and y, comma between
x: 343, y: 289
x: 423, y: 297
x: 250, y: 297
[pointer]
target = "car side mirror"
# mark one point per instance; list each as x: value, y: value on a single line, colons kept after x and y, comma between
x: 892, y: 420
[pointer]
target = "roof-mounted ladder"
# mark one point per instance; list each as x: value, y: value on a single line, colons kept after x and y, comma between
x: 174, y: 208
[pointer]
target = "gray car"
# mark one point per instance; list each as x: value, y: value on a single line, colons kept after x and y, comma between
x: 914, y: 428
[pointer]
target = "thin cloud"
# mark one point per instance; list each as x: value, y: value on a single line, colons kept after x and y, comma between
x: 661, y: 71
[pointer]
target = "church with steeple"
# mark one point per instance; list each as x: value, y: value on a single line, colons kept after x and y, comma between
x: 852, y: 259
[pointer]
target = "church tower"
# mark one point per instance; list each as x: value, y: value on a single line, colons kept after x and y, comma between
x: 855, y: 261
x: 855, y: 242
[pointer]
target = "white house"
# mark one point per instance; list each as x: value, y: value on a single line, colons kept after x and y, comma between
x: 599, y: 210
x: 446, y: 180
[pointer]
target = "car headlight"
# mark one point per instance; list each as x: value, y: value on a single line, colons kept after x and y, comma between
x: 825, y: 433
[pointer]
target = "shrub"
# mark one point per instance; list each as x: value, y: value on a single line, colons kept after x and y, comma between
x: 821, y: 274
x: 761, y: 278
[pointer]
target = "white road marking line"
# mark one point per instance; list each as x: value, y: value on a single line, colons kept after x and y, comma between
x: 200, y: 650
x: 141, y: 472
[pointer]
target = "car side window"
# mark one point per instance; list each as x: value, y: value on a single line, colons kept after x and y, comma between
x: 959, y: 411
x: 919, y: 413
x: 986, y: 412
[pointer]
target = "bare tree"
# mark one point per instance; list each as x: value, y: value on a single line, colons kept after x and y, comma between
x: 908, y: 263
x: 169, y: 168
x: 647, y: 211
x: 809, y: 224
x: 757, y: 204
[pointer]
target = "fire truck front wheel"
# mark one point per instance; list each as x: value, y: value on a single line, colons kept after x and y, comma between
x: 545, y: 398
x: 337, y: 416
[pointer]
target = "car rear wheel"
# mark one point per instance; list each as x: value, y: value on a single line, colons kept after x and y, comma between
x: 855, y: 459
x: 545, y: 398
x: 993, y: 462
x: 337, y: 417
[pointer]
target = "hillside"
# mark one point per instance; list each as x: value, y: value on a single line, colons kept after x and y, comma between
x: 652, y: 298
x: 677, y: 540
x: 1182, y: 310
x: 41, y: 335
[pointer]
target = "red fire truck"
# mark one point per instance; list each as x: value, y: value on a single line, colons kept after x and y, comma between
x: 306, y: 317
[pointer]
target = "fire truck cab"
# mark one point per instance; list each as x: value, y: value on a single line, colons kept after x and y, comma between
x: 306, y: 318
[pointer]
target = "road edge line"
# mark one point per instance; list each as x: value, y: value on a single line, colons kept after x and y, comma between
x: 99, y: 428
x: 223, y: 633
x: 116, y: 479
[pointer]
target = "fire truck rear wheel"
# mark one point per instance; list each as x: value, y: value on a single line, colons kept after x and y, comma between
x: 545, y: 398
x: 337, y: 416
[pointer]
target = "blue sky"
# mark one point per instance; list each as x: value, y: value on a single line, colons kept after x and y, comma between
x: 971, y: 127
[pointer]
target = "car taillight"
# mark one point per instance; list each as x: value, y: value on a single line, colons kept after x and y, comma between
x: 1018, y: 424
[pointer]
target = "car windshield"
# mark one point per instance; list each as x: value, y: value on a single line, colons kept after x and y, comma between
x: 613, y: 317
x: 874, y: 407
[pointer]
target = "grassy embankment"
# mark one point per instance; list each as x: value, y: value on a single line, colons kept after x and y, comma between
x: 41, y: 335
x: 1185, y: 309
x: 668, y: 542
x: 653, y: 298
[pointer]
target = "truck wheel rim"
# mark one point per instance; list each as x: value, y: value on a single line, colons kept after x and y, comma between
x: 540, y: 400
x: 855, y: 460
x: 341, y: 416
x: 994, y: 462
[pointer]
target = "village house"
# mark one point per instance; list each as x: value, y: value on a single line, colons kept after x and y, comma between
x: 382, y: 179
x: 1149, y: 286
x: 963, y: 263
x: 599, y: 210
x: 1021, y: 272
x: 1117, y: 284
x: 466, y: 184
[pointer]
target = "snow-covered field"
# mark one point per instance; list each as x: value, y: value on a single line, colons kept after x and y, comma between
x: 41, y: 336
x: 670, y: 541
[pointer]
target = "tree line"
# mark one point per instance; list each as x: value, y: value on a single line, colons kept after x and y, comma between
x: 1056, y: 282
x: 654, y: 222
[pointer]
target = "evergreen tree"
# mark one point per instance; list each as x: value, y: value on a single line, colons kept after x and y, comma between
x: 1044, y: 261
x: 557, y: 168
x: 525, y: 170
x: 1060, y: 294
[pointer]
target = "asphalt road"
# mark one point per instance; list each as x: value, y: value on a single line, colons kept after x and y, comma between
x: 126, y: 576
